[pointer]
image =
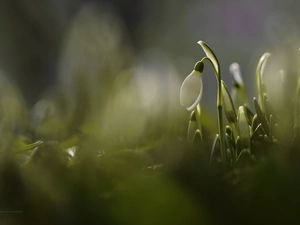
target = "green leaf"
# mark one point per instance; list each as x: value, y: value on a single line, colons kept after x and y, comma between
x: 194, y: 124
x: 215, y: 147
x: 255, y: 123
x: 261, y: 116
x: 229, y: 109
x: 269, y: 109
x: 243, y: 128
x: 231, y: 149
x: 193, y: 116
x: 192, y: 128
x: 197, y: 137
x: 239, y: 146
x: 259, y: 72
x: 28, y: 147
x: 258, y: 131
x: 231, y: 143
x: 257, y: 135
x: 229, y: 133
x: 250, y: 114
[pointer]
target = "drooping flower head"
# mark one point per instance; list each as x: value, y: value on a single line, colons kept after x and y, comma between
x: 192, y: 87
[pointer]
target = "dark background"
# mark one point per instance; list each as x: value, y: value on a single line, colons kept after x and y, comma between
x: 31, y: 34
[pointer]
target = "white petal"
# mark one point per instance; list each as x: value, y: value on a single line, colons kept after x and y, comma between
x: 191, y: 90
x: 236, y: 73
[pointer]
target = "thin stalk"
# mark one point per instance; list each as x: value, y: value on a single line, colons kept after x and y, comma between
x: 220, y: 119
x: 221, y: 132
x: 210, y: 55
x: 220, y: 112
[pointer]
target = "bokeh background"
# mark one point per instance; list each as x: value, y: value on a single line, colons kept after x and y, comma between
x: 141, y: 49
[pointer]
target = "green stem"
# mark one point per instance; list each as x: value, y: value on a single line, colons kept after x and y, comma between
x: 220, y: 122
x: 220, y: 113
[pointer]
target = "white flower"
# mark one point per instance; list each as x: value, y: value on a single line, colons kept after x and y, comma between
x: 191, y: 88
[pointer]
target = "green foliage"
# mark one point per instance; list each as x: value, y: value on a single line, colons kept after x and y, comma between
x: 248, y: 134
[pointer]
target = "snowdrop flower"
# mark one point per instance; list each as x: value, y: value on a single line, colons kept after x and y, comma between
x: 192, y: 87
x: 191, y: 91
